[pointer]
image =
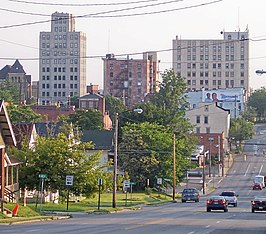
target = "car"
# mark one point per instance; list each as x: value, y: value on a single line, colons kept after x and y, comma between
x: 190, y: 194
x: 230, y: 197
x: 217, y: 203
x: 258, y: 204
x: 257, y: 186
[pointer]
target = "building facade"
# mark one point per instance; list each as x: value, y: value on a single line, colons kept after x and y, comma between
x: 214, y: 64
x: 16, y: 75
x: 131, y: 80
x: 62, y: 63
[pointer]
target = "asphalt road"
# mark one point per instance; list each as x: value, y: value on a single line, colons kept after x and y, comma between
x: 183, y: 218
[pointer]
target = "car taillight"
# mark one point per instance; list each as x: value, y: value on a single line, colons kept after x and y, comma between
x: 253, y: 203
x: 208, y: 202
x: 223, y: 201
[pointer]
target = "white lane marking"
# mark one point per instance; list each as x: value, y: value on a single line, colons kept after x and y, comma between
x: 247, y: 170
x: 218, y: 221
x: 220, y: 181
x: 207, y: 226
x: 260, y: 169
x: 191, y: 232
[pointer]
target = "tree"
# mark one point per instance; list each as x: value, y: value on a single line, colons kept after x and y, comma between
x: 114, y: 105
x: 257, y: 100
x: 22, y: 114
x: 57, y: 157
x: 146, y: 152
x: 9, y: 92
x: 90, y: 119
x: 240, y: 130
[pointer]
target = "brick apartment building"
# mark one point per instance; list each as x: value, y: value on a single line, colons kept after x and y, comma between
x: 129, y: 79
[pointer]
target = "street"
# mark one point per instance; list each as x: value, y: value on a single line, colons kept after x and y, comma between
x: 174, y: 217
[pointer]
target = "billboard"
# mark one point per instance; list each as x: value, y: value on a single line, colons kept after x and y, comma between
x: 221, y: 96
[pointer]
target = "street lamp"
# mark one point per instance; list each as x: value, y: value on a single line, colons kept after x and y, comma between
x: 260, y: 72
x: 211, y: 139
x: 219, y: 154
x: 174, y: 168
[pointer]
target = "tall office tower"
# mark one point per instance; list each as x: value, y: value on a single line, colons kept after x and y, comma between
x: 131, y: 80
x: 213, y: 64
x: 62, y: 63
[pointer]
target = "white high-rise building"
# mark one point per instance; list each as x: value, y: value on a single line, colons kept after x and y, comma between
x: 213, y: 64
x: 62, y: 61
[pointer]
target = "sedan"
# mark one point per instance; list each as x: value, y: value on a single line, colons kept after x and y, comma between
x: 258, y: 204
x: 217, y: 203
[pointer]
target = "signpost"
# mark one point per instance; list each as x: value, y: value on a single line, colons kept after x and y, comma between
x: 69, y: 182
x: 100, y: 183
x: 42, y: 177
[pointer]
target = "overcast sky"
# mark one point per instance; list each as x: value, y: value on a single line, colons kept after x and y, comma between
x: 137, y: 29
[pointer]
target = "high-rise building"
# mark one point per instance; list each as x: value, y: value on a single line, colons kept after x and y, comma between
x: 62, y: 63
x: 131, y: 80
x: 213, y: 64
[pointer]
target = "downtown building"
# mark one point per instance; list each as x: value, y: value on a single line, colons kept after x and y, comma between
x: 131, y: 80
x: 214, y: 64
x: 62, y: 62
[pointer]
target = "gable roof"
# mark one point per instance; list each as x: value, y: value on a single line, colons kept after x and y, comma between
x: 102, y: 139
x: 4, y: 71
x: 17, y: 68
x: 91, y: 96
x: 48, y: 129
x: 5, y: 126
x: 23, y: 131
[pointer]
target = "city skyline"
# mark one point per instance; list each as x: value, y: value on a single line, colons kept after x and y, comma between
x: 132, y: 35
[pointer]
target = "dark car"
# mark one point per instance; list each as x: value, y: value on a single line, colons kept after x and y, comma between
x: 257, y: 186
x: 217, y: 203
x: 258, y: 204
x: 190, y: 194
x: 230, y: 197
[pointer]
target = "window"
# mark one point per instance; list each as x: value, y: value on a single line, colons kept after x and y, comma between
x: 188, y: 65
x: 201, y: 66
x: 55, y: 86
x: 242, y: 66
x: 43, y: 86
x: 206, y: 74
x: 227, y: 66
x: 206, y: 108
x: 198, y: 130
x: 208, y: 130
x: 198, y: 119
x: 214, y: 82
x: 194, y: 65
x: 242, y: 74
x: 55, y: 77
x: 193, y: 82
x: 206, y: 66
x: 242, y: 82
x: 206, y: 82
x: 214, y: 65
x: 206, y: 119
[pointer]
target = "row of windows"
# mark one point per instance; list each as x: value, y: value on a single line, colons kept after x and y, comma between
x: 205, y: 119
x: 59, y: 94
x: 60, y: 69
x: 59, y: 86
x: 130, y: 83
x: 129, y: 75
x: 60, y: 61
x: 207, y: 130
x: 59, y: 45
x: 60, y: 37
x: 125, y: 66
x: 227, y: 83
x: 205, y: 49
x: 214, y: 74
x: 214, y: 58
x: 139, y: 92
x: 63, y: 77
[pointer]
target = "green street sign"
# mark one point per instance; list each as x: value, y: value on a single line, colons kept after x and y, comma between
x: 42, y: 176
x: 133, y: 183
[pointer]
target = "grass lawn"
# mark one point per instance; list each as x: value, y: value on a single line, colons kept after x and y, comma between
x: 30, y: 212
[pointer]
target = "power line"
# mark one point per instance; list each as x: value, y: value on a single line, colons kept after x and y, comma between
x: 99, y: 14
x: 82, y: 4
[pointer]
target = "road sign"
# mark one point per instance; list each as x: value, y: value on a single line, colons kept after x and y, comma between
x: 69, y: 180
x: 42, y: 176
x: 133, y: 183
x: 127, y: 183
x: 100, y: 181
x: 159, y: 181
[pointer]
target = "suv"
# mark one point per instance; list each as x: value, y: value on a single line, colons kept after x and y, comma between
x: 230, y: 197
x: 190, y: 194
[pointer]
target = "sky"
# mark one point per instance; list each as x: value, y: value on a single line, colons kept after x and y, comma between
x: 131, y: 27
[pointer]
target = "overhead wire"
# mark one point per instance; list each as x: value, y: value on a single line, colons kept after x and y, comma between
x: 101, y: 14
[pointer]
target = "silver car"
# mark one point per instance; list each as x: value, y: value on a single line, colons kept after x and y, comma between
x: 230, y: 197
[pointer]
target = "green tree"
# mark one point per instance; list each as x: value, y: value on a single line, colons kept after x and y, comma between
x: 240, y: 130
x: 257, y: 100
x: 57, y: 157
x: 9, y: 92
x: 146, y: 152
x: 22, y: 114
x: 90, y: 119
x: 114, y: 105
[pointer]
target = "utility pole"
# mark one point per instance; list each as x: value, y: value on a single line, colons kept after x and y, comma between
x: 174, y: 168
x: 115, y: 161
x: 219, y: 154
x: 210, y: 156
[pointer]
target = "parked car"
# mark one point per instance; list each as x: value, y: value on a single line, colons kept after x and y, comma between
x: 258, y: 204
x: 190, y: 194
x: 230, y: 197
x: 217, y: 203
x: 257, y: 186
